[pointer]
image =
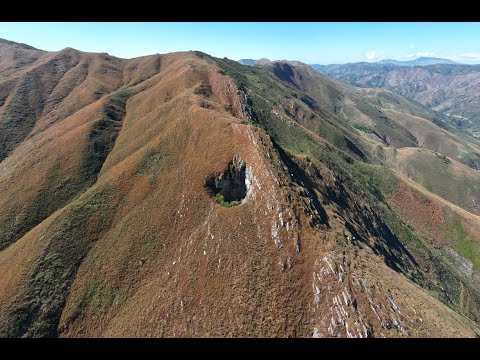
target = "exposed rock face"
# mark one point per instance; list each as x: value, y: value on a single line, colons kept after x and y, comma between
x: 232, y: 184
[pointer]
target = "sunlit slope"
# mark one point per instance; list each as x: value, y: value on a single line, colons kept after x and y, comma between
x: 59, y: 123
x: 130, y: 240
x: 446, y: 177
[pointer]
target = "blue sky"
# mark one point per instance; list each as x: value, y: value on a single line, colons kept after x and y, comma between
x: 321, y: 43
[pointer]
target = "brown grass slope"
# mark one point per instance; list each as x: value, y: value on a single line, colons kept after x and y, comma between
x: 15, y: 56
x: 58, y: 124
x: 435, y: 138
x: 141, y: 248
x: 443, y: 176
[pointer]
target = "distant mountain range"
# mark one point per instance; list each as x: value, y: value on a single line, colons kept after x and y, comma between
x: 450, y: 88
x: 421, y: 61
x: 386, y: 64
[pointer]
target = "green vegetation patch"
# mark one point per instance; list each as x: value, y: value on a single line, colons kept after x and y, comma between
x: 462, y: 241
x: 380, y: 180
x: 471, y: 159
x: 219, y: 198
x: 123, y: 95
x: 152, y: 164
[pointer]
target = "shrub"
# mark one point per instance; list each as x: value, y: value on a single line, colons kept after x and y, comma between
x: 220, y: 199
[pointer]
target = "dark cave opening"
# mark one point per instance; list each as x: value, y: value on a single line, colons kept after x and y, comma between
x: 230, y: 186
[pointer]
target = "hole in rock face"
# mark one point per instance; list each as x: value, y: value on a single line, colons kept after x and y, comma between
x: 231, y: 186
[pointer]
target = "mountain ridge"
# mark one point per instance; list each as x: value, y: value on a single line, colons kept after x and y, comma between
x: 420, y: 61
x: 112, y: 224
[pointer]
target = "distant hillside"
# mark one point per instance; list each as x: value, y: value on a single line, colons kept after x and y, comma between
x: 448, y: 88
x: 421, y: 61
x: 249, y: 62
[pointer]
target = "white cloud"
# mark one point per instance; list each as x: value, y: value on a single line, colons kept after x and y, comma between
x: 375, y: 54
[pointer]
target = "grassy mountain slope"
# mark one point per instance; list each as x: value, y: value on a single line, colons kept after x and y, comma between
x: 62, y: 99
x: 111, y: 229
